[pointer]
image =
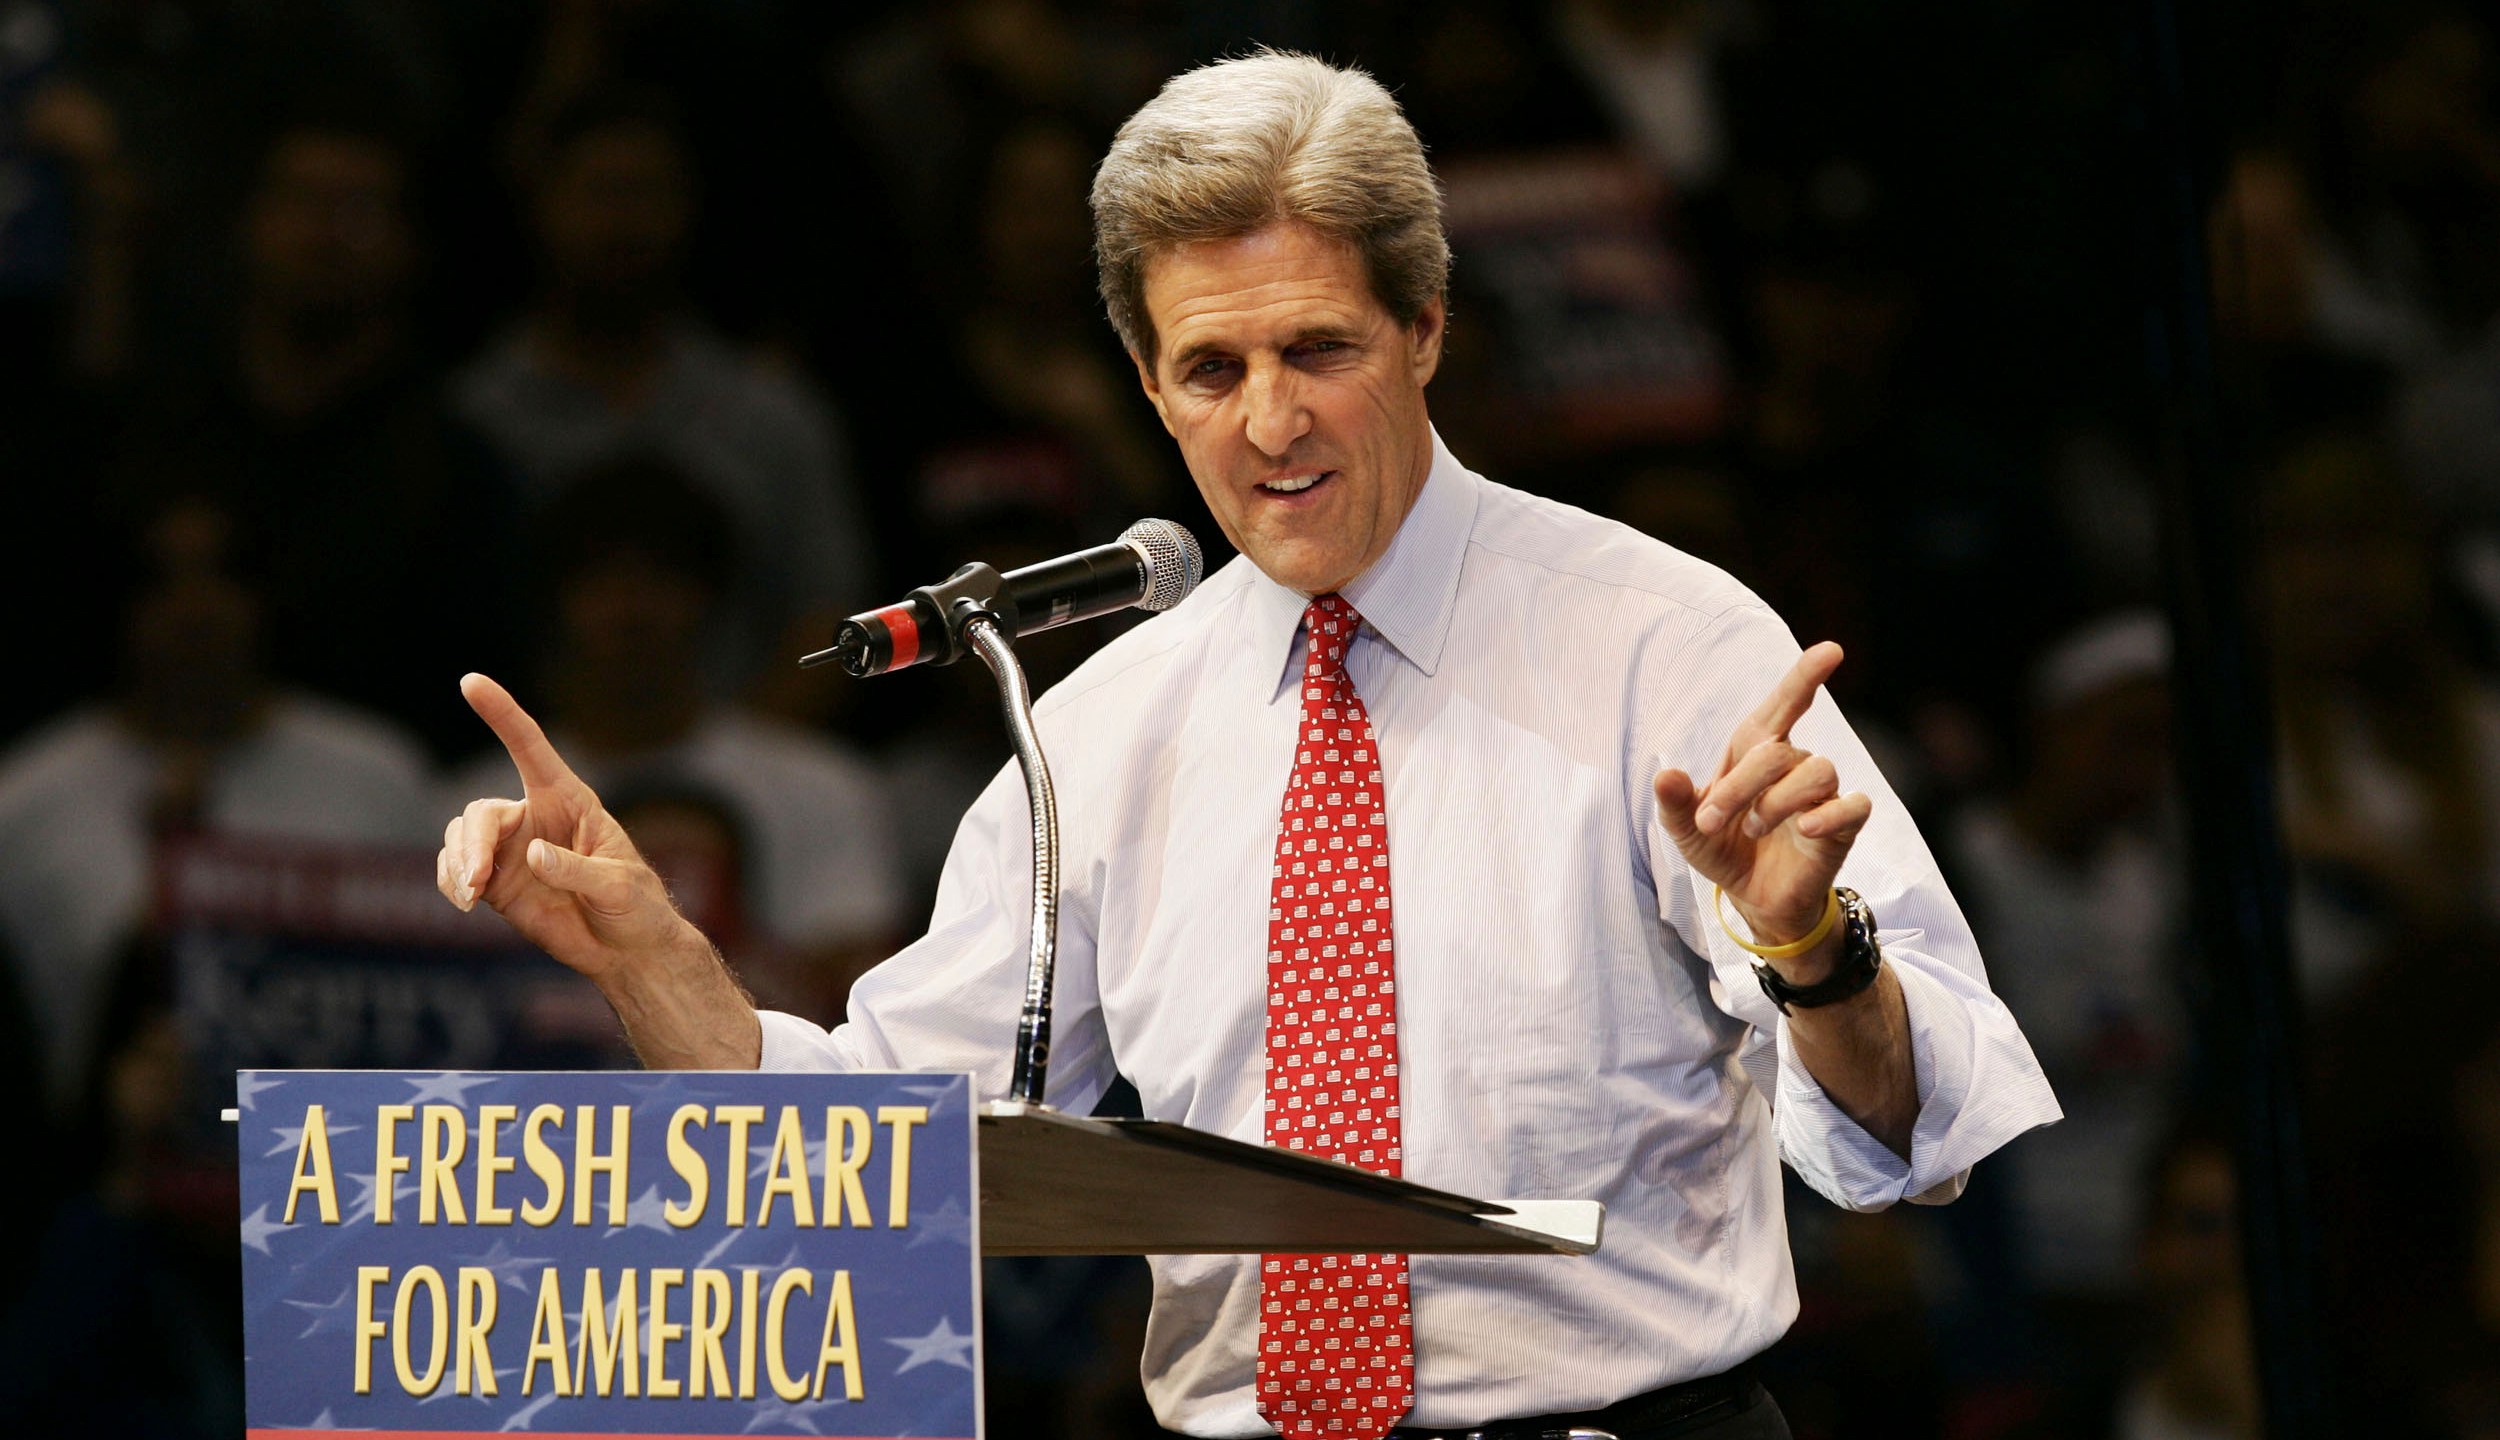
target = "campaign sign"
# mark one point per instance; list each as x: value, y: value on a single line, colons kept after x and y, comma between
x: 300, y: 956
x: 587, y: 1253
x: 1606, y: 340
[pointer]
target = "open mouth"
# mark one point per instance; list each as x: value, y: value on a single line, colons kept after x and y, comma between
x: 1297, y: 484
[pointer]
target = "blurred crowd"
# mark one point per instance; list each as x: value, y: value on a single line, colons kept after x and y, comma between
x: 615, y: 347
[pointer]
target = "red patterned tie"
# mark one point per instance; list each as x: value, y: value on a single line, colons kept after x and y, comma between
x: 1335, y: 1351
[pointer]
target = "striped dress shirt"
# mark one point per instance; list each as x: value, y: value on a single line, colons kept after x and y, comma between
x: 1573, y: 1023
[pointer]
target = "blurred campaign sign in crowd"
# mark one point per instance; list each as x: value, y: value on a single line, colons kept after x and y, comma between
x: 294, y: 955
x: 695, y: 1253
x: 1603, y: 336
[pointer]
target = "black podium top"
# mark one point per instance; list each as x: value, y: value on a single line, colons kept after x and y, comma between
x: 1055, y: 1184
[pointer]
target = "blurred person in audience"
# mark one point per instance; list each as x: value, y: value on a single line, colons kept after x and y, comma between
x: 2389, y: 755
x: 1654, y: 67
x: 1831, y: 306
x: 1853, y: 451
x: 1692, y: 501
x: 198, y: 738
x: 68, y: 222
x: 695, y: 836
x: 2196, y: 1377
x: 2475, y: 1392
x: 1043, y: 374
x: 1866, y: 1359
x: 196, y: 88
x: 2307, y: 344
x: 931, y: 88
x: 1692, y: 504
x: 638, y: 557
x: 2352, y: 246
x: 742, y: 83
x: 2411, y: 1201
x: 926, y: 94
x: 1583, y: 325
x: 69, y: 205
x: 2390, y: 749
x: 134, y: 1251
x: 1484, y: 77
x: 2401, y: 237
x: 2408, y: 182
x: 40, y: 1136
x: 610, y: 359
x: 1041, y: 448
x: 2071, y: 878
x: 321, y: 413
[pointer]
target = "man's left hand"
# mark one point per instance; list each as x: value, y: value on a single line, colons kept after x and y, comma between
x: 1772, y: 829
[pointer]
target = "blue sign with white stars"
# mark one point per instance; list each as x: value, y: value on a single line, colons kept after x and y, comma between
x: 576, y: 1253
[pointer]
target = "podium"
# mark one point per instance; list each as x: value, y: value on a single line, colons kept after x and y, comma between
x: 1056, y: 1184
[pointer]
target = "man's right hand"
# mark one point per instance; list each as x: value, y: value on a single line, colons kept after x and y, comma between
x: 555, y: 863
x: 557, y: 866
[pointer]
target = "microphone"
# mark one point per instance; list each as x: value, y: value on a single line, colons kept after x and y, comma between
x: 1152, y: 566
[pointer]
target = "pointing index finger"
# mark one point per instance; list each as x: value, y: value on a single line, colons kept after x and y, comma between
x: 532, y: 755
x: 1793, y: 696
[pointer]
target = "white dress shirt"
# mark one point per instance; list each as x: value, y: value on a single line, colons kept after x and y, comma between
x: 1571, y: 1022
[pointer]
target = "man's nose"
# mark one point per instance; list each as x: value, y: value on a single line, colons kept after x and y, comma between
x: 1273, y: 415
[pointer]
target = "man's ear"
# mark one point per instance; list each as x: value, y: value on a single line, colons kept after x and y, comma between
x: 1424, y: 339
x: 1154, y: 391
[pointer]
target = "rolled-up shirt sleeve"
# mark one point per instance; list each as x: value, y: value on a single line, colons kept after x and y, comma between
x: 1979, y: 1085
x: 949, y: 1001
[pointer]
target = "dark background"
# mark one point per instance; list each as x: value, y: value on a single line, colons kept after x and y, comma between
x: 612, y: 346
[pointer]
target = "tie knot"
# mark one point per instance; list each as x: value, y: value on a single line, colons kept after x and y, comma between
x: 1332, y: 623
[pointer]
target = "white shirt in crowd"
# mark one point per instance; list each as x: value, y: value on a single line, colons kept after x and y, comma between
x: 2086, y: 953
x: 77, y: 804
x: 2380, y: 805
x: 1572, y: 1025
x: 757, y: 441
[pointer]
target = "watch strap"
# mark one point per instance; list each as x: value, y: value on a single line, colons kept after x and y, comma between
x: 1860, y: 957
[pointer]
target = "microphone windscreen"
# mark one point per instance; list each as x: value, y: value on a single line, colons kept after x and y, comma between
x: 1174, y: 565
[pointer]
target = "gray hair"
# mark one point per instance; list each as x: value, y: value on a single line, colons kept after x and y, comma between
x: 1230, y: 148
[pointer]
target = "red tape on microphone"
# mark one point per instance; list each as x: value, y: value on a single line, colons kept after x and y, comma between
x: 904, y: 631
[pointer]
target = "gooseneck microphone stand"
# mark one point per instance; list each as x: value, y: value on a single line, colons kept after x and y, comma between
x: 1152, y: 566
x: 973, y: 611
x: 989, y: 640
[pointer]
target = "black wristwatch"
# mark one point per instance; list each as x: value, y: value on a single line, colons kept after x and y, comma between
x: 1859, y: 957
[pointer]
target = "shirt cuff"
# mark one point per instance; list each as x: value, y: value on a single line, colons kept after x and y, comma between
x: 791, y: 1043
x: 1978, y: 1087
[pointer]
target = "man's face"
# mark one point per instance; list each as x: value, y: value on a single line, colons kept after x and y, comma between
x: 614, y: 217
x: 1297, y: 399
x: 635, y: 620
x: 325, y: 234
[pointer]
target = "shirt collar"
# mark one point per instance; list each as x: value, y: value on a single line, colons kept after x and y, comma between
x: 1409, y: 594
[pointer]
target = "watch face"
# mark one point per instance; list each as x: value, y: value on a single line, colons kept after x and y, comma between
x: 1855, y: 910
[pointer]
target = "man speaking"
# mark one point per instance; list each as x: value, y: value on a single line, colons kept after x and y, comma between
x: 1387, y: 845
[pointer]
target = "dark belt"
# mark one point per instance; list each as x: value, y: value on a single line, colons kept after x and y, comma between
x: 1654, y: 1416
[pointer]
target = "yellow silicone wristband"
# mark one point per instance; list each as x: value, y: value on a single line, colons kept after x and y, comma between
x: 1812, y: 938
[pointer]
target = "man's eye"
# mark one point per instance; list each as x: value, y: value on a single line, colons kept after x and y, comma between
x: 1208, y: 369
